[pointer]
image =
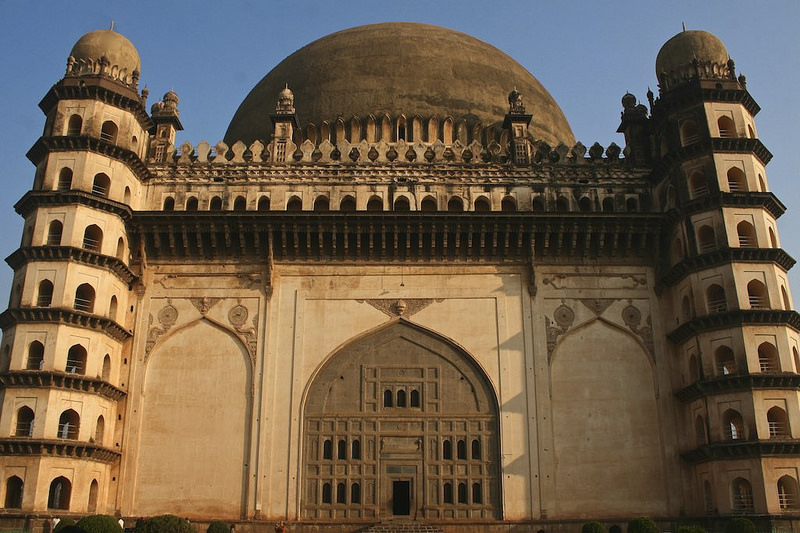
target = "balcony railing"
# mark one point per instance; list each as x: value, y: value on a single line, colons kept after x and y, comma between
x: 758, y: 302
x: 67, y: 431
x: 747, y: 241
x: 778, y: 430
x: 83, y: 304
x: 717, y: 306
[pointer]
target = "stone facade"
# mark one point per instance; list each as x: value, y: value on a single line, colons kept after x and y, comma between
x: 424, y: 318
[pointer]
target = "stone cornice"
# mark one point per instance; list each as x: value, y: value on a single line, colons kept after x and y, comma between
x: 743, y: 450
x: 70, y: 143
x: 766, y: 200
x: 708, y: 147
x: 69, y: 253
x: 724, y: 256
x: 99, y: 88
x: 34, y: 199
x: 739, y: 383
x: 61, y: 380
x: 734, y: 319
x: 71, y: 317
x: 69, y: 449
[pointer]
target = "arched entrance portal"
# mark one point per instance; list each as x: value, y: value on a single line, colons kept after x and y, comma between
x: 401, y: 422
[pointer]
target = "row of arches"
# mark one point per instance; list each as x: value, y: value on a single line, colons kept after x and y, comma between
x: 75, y: 363
x: 690, y: 132
x: 741, y: 495
x: 700, y: 185
x: 84, y: 299
x: 58, y: 496
x: 69, y: 424
x: 745, y: 232
x: 341, y: 449
x: 461, y: 449
x: 404, y: 203
x: 716, y: 300
x: 101, y: 184
x: 109, y: 131
x: 733, y: 426
x: 92, y: 238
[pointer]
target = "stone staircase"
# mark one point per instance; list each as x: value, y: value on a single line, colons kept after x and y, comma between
x: 401, y: 526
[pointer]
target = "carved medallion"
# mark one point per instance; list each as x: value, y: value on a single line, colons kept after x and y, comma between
x: 168, y: 315
x: 238, y: 315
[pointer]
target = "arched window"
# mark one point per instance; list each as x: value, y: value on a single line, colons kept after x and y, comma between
x: 101, y: 185
x: 92, y: 506
x: 796, y: 357
x: 99, y: 430
x: 508, y: 204
x: 25, y: 419
x: 169, y: 203
x: 778, y: 424
x: 694, y: 369
x: 689, y: 132
x: 762, y: 186
x: 120, y: 249
x: 785, y: 297
x: 355, y: 449
x: 700, y: 431
x: 747, y: 235
x: 725, y: 361
x: 477, y: 493
x: 757, y: 295
x: 787, y: 493
x: 772, y: 240
x: 461, y: 449
x: 35, y: 356
x: 68, y: 425
x: 240, y: 204
x: 59, y: 494
x: 686, y: 309
x: 608, y: 204
x: 388, y: 398
x: 401, y: 204
x: 447, y: 449
x: 715, y: 299
x: 741, y: 496
x: 348, y: 204
x: 708, y: 498
x: 263, y: 203
x: 726, y: 127
x: 375, y: 204
x: 108, y: 132
x: 341, y: 449
x: 84, y: 298
x: 538, y: 204
x: 341, y: 493
x: 455, y: 204
x: 327, y: 449
x: 112, y: 308
x: 447, y: 493
x: 355, y: 493
x: 74, y: 125
x: 632, y: 205
x: 768, y: 359
x: 294, y: 204
x: 462, y: 493
x: 698, y: 185
x: 476, y: 449
x: 737, y: 181
x: 428, y: 204
x: 126, y: 195
x: 750, y: 132
x: 191, y: 203
x: 44, y: 298
x: 326, y: 493
x: 706, y: 239
x: 414, y: 398
x: 64, y: 179
x: 401, y: 398
x: 585, y: 204
x: 76, y: 360
x: 215, y: 204
x: 106, y: 371
x: 321, y: 203
x: 482, y: 205
x: 93, y: 238
x: 54, y: 232
x: 562, y: 204
x: 14, y: 488
x: 732, y: 425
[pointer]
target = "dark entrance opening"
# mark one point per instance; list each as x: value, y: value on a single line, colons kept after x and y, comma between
x: 401, y: 498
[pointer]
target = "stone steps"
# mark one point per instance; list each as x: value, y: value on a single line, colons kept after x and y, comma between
x: 404, y: 526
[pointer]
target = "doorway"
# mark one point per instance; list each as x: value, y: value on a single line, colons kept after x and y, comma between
x: 401, y: 497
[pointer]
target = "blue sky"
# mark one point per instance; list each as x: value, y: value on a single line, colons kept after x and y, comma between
x: 587, y: 54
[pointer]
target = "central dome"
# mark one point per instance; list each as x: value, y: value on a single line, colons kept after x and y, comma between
x: 399, y: 68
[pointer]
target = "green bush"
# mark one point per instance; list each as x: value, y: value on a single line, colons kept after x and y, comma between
x: 218, y: 527
x: 64, y: 522
x: 166, y: 523
x: 691, y: 529
x: 642, y: 525
x: 99, y: 523
x: 740, y: 525
x: 593, y: 527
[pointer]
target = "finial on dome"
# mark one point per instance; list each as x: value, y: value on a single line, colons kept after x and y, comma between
x: 111, y: 27
x: 285, y: 101
x: 515, y: 104
x: 683, y: 25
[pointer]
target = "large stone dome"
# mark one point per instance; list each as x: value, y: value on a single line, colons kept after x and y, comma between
x: 678, y: 53
x: 399, y: 68
x: 119, y: 51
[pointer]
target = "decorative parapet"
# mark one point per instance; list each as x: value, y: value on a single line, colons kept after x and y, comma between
x: 103, y: 68
x: 58, y: 448
x: 61, y: 380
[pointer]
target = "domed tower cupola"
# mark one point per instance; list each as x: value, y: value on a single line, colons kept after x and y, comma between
x: 692, y: 54
x: 105, y: 53
x: 165, y: 125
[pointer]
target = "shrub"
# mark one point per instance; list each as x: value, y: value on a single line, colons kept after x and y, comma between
x: 691, y: 529
x: 166, y: 523
x: 99, y: 523
x: 593, y: 527
x: 218, y: 527
x: 642, y: 525
x: 64, y: 522
x: 740, y: 525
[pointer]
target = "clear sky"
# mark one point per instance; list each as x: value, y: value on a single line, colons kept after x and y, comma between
x: 586, y: 53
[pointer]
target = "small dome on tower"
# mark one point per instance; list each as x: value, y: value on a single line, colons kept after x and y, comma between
x: 628, y: 101
x: 678, y: 53
x: 117, y: 49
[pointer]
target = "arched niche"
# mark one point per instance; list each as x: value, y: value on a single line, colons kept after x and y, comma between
x: 438, y: 393
x: 195, y: 425
x: 605, y: 425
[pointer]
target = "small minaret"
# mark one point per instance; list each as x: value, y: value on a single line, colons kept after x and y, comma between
x: 166, y: 123
x: 284, y: 122
x: 634, y: 126
x: 516, y: 122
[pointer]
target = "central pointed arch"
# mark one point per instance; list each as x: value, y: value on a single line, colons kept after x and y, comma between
x: 402, y: 396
